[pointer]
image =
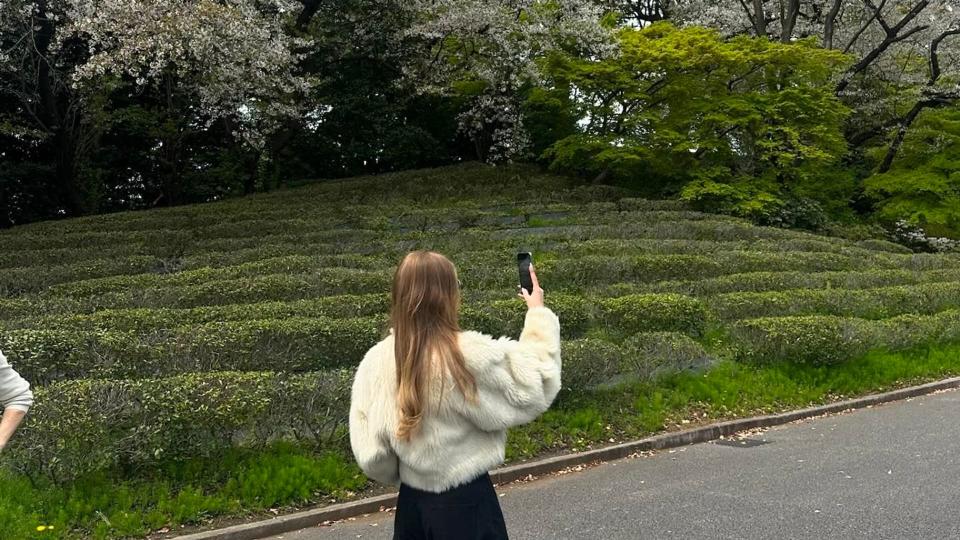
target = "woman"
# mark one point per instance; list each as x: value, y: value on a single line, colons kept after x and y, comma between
x: 16, y: 398
x: 431, y: 404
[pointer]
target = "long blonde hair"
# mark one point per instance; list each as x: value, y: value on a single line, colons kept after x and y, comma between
x: 424, y: 303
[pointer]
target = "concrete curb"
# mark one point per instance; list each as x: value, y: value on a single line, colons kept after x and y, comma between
x: 312, y: 518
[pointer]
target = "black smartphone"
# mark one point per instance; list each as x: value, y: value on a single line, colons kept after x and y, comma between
x: 524, y: 260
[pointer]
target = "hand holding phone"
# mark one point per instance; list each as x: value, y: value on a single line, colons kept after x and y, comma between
x: 530, y: 289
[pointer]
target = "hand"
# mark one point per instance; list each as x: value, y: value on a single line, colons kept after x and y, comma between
x: 533, y: 298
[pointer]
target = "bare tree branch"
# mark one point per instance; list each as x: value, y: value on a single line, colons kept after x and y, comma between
x: 863, y: 28
x: 893, y: 35
x: 935, y: 54
x: 932, y: 98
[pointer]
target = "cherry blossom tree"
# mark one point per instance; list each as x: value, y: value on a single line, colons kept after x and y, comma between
x: 495, y: 48
x: 202, y: 61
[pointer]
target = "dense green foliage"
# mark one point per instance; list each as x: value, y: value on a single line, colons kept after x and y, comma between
x: 737, y: 123
x: 791, y: 117
x: 157, y: 340
x: 924, y: 184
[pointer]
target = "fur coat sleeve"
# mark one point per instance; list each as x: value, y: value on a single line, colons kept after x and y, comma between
x: 15, y: 392
x: 370, y: 411
x: 517, y: 380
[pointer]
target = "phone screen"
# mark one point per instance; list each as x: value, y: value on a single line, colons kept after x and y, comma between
x: 524, y: 259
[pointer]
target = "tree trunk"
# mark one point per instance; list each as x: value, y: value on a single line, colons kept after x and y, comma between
x: 788, y: 19
x: 759, y: 18
x: 66, y: 173
x: 830, y: 24
x: 52, y: 112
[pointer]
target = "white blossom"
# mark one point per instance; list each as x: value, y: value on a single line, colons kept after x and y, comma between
x: 500, y: 44
x: 230, y: 55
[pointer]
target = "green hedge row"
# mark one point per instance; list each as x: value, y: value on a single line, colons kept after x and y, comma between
x: 283, y: 278
x: 208, y: 224
x: 653, y: 312
x: 646, y: 245
x: 825, y: 339
x: 490, y: 268
x: 590, y: 363
x: 144, y: 320
x: 44, y: 356
x: 297, y: 336
x: 88, y: 425
x: 281, y: 206
x: 35, y: 270
x: 17, y: 281
x: 296, y: 264
x: 876, y: 303
x: 95, y: 424
x: 63, y: 256
x: 775, y: 281
x: 505, y: 317
x: 16, y: 308
x: 97, y: 294
x: 594, y: 270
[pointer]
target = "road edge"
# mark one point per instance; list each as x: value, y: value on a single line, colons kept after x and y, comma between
x: 312, y: 518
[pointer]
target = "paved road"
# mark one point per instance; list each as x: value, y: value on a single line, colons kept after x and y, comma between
x: 892, y: 471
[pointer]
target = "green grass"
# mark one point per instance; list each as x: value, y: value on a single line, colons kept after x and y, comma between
x: 725, y: 391
x: 104, y: 506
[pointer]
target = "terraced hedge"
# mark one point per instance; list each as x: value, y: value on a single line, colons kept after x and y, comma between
x: 180, y: 331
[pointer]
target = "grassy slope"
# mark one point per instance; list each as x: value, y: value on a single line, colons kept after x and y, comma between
x: 644, y: 288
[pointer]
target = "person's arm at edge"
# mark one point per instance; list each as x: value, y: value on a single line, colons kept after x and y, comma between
x: 16, y: 399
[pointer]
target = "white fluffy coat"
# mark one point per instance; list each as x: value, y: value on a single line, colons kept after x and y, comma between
x: 517, y: 381
x: 15, y: 392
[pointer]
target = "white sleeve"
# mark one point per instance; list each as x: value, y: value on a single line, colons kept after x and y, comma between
x: 15, y: 392
x: 522, y: 378
x: 368, y: 436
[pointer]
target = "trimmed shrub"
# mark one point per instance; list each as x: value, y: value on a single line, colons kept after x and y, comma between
x: 64, y: 256
x: 590, y: 363
x: 15, y: 281
x: 628, y: 315
x: 43, y: 356
x: 295, y: 264
x: 772, y: 281
x: 247, y: 290
x: 651, y: 354
x: 291, y: 344
x: 827, y: 340
x: 864, y: 303
x: 818, y: 340
x: 88, y: 425
x: 592, y: 270
x: 11, y: 308
x: 506, y: 317
x: 907, y: 331
x: 631, y: 203
x: 884, y: 245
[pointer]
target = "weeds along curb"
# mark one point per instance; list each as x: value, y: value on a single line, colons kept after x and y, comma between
x: 312, y: 518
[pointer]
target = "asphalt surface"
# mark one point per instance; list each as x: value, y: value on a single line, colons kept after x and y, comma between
x: 891, y: 471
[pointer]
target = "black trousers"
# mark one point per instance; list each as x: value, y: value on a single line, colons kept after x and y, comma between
x: 467, y: 512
